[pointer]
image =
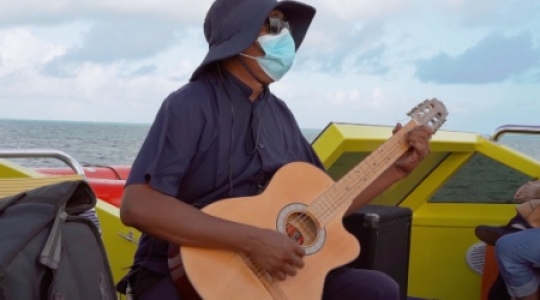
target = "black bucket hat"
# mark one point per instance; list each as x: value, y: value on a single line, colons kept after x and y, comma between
x: 231, y: 26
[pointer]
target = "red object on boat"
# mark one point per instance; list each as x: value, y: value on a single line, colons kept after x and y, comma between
x: 108, y: 190
x: 107, y: 182
x: 101, y: 172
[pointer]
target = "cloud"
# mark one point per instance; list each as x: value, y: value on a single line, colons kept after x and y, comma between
x: 494, y: 59
x: 25, y: 12
x: 499, y: 14
x: 144, y: 71
x: 116, y: 61
x: 21, y: 52
x: 107, y: 42
x: 371, y: 62
x: 342, y: 48
x: 365, y: 10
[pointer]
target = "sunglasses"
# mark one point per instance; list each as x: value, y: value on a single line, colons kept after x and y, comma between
x: 276, y: 25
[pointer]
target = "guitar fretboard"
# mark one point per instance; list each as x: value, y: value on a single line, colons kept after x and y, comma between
x: 340, y: 196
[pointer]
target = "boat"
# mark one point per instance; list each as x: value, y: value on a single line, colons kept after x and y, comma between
x: 467, y: 180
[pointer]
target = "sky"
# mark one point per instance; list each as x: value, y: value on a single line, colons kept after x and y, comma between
x: 363, y: 61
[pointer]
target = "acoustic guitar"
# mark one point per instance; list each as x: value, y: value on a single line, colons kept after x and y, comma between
x: 305, y: 204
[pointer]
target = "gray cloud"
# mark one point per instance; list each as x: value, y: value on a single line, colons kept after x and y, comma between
x: 37, y: 12
x: 358, y: 50
x: 501, y: 14
x: 371, y: 61
x: 494, y: 59
x: 57, y: 68
x: 108, y: 42
x: 368, y: 62
x: 143, y: 71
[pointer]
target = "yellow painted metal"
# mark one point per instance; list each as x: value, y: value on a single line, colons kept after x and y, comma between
x: 436, y: 180
x: 330, y: 146
x: 120, y: 240
x: 509, y: 157
x: 442, y: 233
x: 9, y: 169
x: 12, y: 186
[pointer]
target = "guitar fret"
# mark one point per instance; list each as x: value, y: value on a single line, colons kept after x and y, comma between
x: 338, y: 198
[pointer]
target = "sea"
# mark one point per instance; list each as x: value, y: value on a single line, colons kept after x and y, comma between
x: 102, y: 144
x: 90, y: 143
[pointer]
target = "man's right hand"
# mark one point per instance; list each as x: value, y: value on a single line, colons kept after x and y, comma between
x: 276, y: 253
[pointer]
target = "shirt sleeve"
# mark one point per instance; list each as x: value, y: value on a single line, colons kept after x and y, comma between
x: 170, y: 145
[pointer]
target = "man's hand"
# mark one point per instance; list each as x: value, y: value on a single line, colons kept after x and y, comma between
x: 418, y: 141
x: 277, y: 254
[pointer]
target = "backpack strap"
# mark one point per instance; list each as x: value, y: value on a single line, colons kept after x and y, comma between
x: 50, y: 254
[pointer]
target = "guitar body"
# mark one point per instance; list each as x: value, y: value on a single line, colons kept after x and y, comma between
x: 218, y: 274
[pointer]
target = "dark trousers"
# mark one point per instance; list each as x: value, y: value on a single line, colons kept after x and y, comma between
x: 356, y: 284
x: 340, y: 284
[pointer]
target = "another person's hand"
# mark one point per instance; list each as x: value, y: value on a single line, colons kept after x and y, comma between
x: 418, y: 141
x: 277, y: 254
x: 530, y: 190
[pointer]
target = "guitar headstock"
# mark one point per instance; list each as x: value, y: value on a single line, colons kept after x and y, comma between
x: 431, y: 113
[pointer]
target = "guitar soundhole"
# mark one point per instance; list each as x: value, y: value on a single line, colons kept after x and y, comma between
x: 295, y: 222
x: 301, y: 229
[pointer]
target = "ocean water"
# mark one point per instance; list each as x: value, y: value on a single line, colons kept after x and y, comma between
x: 117, y: 144
x: 89, y: 143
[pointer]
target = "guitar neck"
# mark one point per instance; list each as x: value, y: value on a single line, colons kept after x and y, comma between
x: 337, y: 199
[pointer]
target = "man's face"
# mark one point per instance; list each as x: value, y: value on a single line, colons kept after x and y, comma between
x: 255, y: 50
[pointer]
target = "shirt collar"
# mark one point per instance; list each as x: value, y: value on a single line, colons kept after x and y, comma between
x: 243, y: 88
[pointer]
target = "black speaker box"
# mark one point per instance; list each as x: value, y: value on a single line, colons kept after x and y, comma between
x: 384, y: 235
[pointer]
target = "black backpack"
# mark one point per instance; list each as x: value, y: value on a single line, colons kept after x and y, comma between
x: 48, y: 251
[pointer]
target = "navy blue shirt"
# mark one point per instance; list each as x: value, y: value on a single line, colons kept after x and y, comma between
x: 209, y: 142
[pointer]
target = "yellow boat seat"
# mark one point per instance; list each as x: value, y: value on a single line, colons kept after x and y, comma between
x: 13, y: 186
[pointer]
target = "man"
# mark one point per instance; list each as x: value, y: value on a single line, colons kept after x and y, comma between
x: 517, y: 249
x: 223, y: 135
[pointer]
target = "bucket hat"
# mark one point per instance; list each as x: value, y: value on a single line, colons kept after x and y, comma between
x: 231, y: 26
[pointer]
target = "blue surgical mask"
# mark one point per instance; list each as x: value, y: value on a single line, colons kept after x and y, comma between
x: 279, y: 55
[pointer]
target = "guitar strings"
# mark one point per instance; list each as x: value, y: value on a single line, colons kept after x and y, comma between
x: 321, y: 207
x: 352, y: 185
x: 321, y: 204
x: 324, y: 209
x: 317, y: 203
